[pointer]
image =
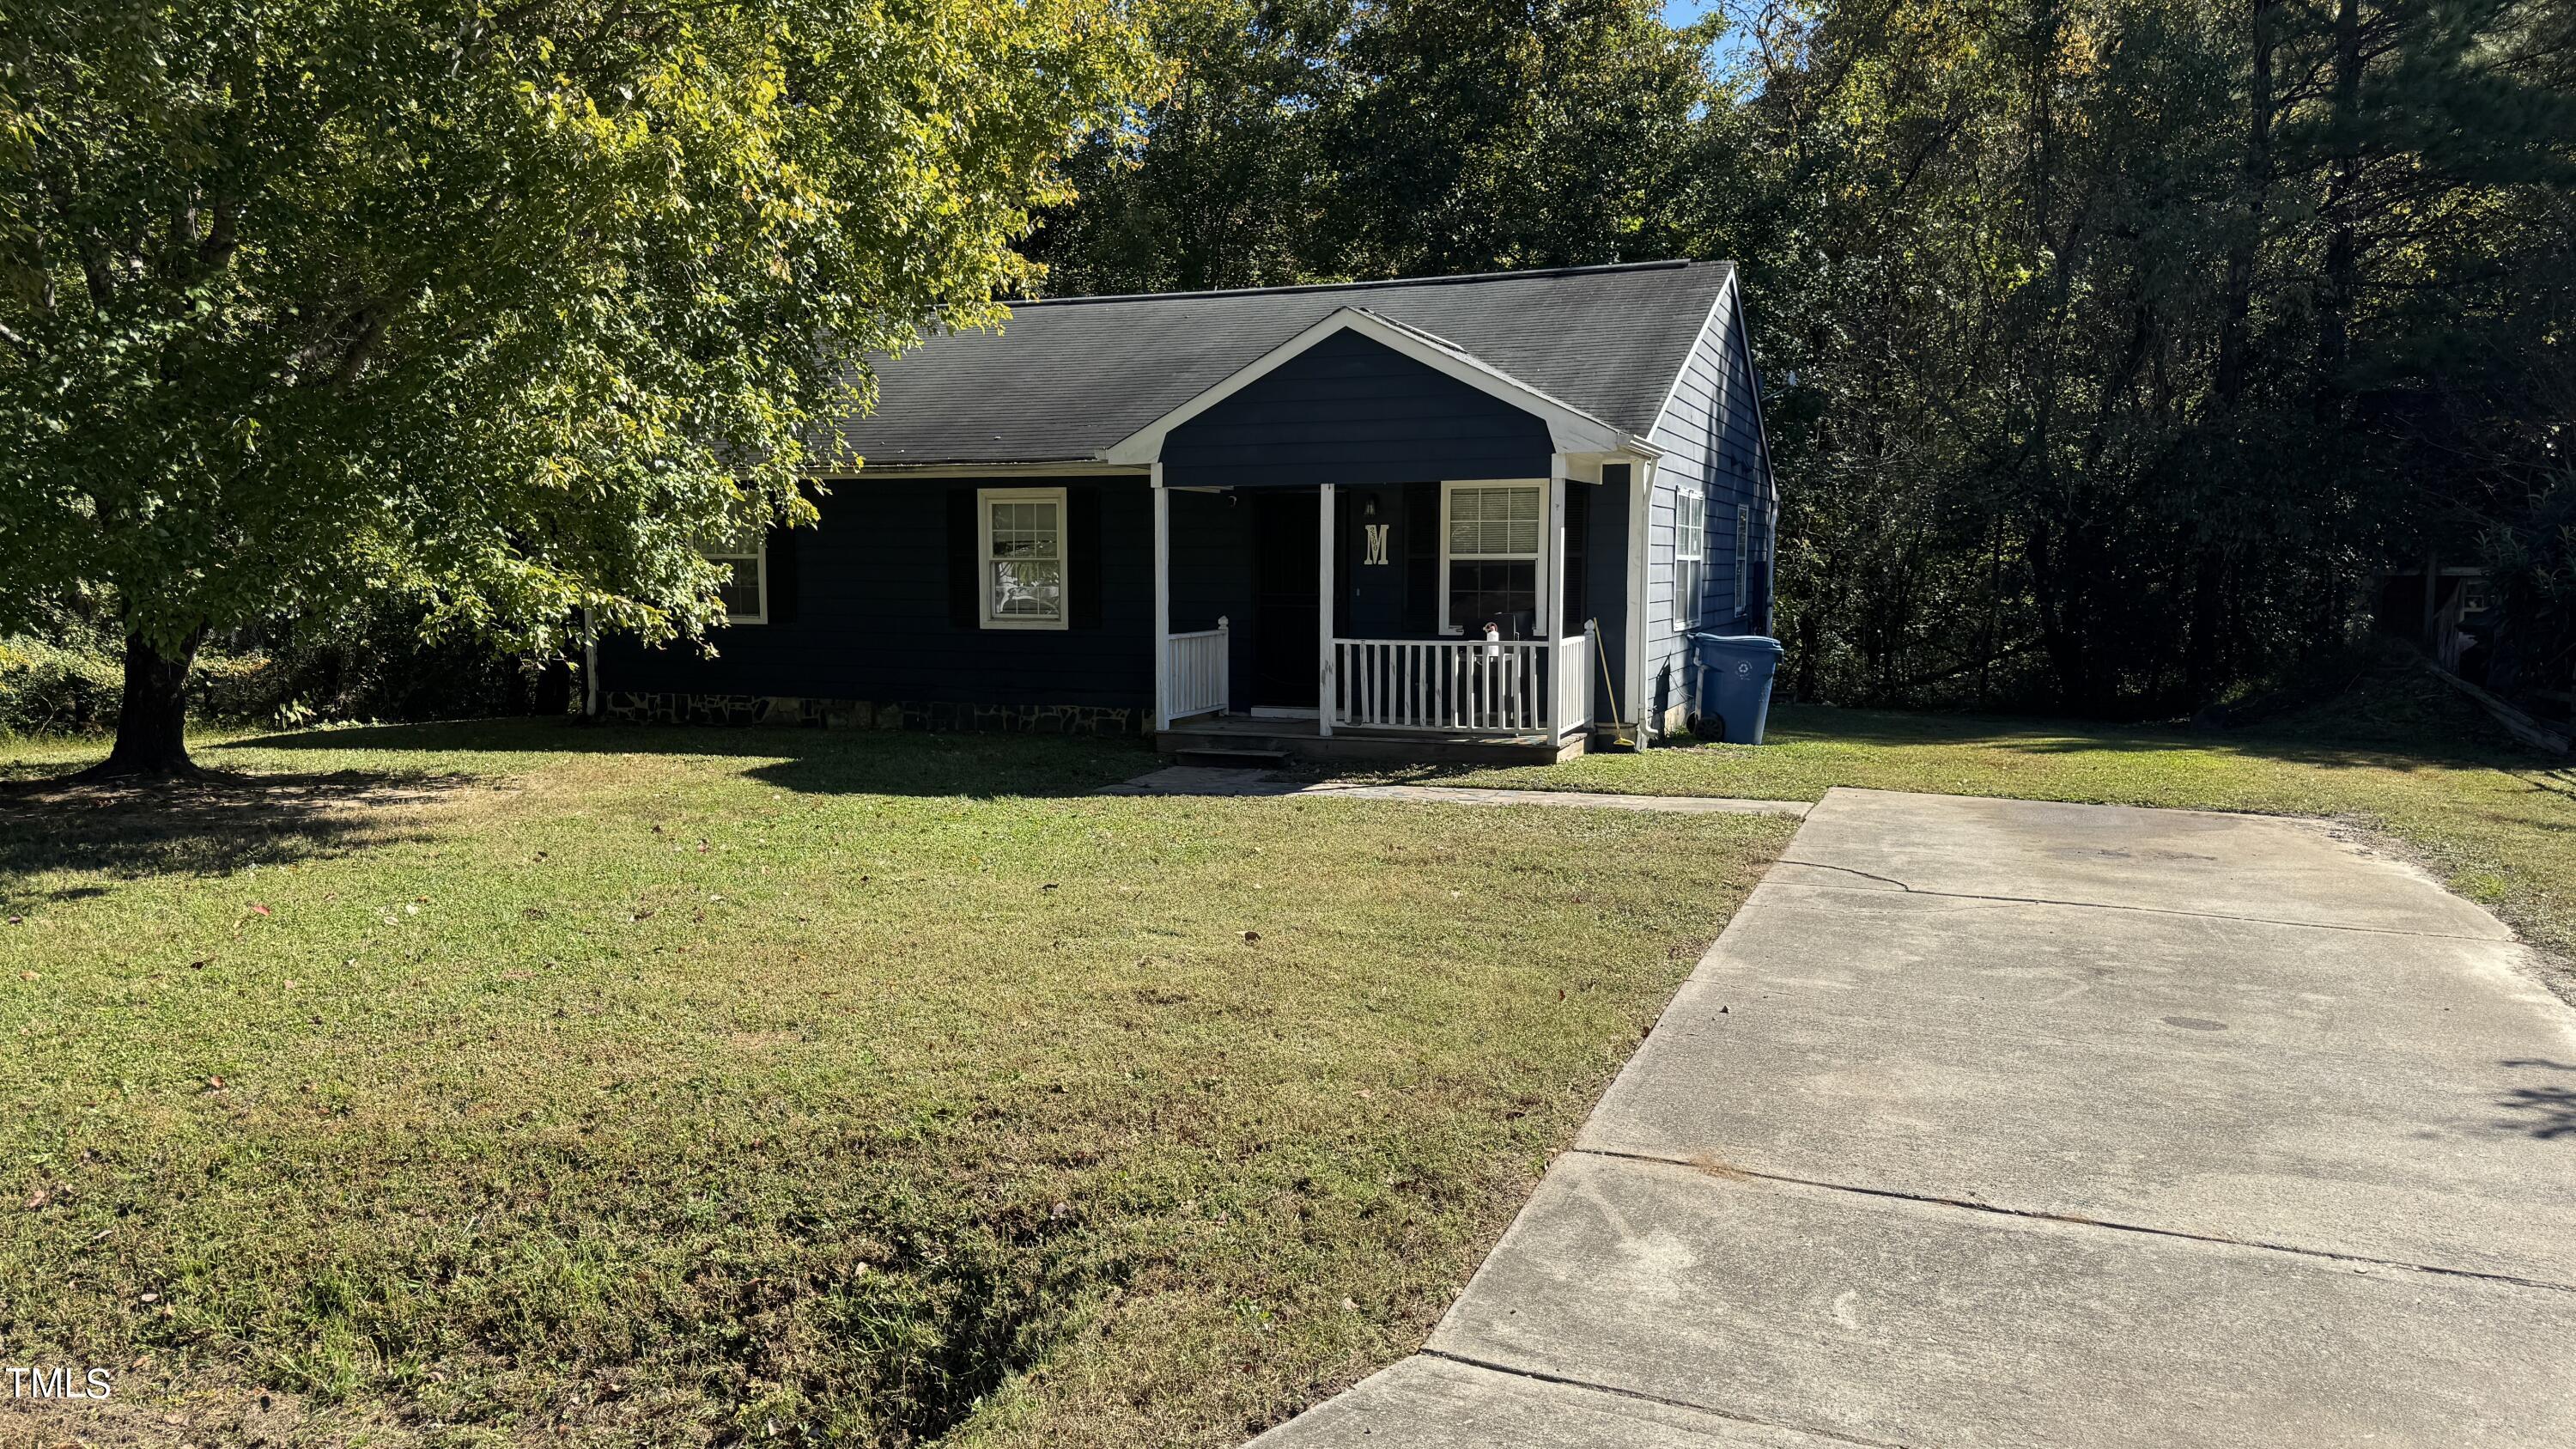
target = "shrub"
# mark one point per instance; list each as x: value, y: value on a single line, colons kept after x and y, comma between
x: 368, y: 664
x: 50, y: 688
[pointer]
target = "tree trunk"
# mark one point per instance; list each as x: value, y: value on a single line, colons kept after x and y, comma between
x: 2254, y: 186
x: 2335, y: 298
x: 152, y: 723
x: 1805, y: 692
x: 2204, y: 669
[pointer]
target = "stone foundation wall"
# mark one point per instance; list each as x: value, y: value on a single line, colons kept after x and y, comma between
x: 632, y: 707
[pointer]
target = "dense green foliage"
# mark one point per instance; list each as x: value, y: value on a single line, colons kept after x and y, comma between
x: 2133, y: 337
x: 1316, y: 139
x: 497, y: 311
x: 2112, y: 344
x: 364, y: 661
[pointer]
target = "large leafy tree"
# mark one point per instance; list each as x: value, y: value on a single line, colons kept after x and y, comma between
x: 1226, y: 183
x: 2131, y: 338
x: 503, y: 308
x: 1485, y: 134
x: 1306, y: 140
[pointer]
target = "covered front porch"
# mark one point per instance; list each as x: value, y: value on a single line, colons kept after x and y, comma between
x: 1458, y: 626
x: 1370, y: 544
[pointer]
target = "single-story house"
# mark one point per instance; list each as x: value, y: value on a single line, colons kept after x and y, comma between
x: 1399, y: 517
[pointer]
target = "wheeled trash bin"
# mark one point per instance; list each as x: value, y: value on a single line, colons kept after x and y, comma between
x: 1733, y: 696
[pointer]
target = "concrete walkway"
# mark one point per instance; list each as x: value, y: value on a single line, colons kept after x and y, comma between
x: 1205, y: 780
x: 1998, y: 1123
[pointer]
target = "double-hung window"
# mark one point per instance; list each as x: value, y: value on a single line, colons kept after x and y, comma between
x: 745, y: 585
x: 1690, y: 557
x: 1743, y: 556
x: 1492, y: 547
x: 1021, y: 536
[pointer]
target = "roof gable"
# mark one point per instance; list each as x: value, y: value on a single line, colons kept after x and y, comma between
x: 1347, y: 408
x: 1570, y: 428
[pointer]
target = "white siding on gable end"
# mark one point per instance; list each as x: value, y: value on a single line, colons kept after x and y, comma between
x: 1712, y: 443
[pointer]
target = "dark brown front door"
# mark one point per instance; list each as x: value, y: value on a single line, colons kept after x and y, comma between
x: 1283, y: 583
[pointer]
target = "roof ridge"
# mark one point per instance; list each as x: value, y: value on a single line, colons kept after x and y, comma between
x: 1378, y: 285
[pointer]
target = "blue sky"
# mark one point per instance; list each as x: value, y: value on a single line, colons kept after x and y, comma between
x: 1683, y: 12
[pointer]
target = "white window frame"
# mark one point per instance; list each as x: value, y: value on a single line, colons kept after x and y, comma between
x: 1743, y: 556
x: 1690, y: 546
x: 985, y: 498
x: 759, y: 556
x: 1450, y: 486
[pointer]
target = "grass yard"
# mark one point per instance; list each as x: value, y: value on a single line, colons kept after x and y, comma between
x: 2396, y: 751
x: 509, y: 1083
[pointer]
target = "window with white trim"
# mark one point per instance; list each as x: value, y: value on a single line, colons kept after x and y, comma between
x: 1021, y: 537
x: 745, y: 586
x: 1743, y: 556
x: 1490, y: 543
x: 1690, y: 557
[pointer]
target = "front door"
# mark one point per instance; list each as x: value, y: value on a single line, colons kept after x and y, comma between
x: 1284, y: 665
x: 1370, y: 570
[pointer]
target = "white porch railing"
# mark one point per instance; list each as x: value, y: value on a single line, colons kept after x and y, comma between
x: 1198, y: 666
x: 1461, y: 686
x: 1574, y: 682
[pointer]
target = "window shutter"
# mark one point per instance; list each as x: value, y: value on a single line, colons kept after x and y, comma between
x: 1082, y: 571
x: 965, y: 570
x: 781, y: 583
x: 1422, y: 582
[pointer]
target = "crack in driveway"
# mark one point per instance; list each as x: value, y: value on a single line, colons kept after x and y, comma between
x: 2095, y: 905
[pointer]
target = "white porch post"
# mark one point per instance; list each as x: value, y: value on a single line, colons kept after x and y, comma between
x: 1162, y: 602
x: 1552, y: 593
x: 1324, y: 612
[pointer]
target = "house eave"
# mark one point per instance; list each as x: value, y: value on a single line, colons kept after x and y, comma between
x: 1087, y: 466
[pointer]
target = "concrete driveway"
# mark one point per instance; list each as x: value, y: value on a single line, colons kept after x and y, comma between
x: 2000, y: 1123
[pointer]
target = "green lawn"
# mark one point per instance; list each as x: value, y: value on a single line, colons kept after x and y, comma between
x: 513, y: 1083
x: 494, y: 1084
x: 2397, y: 752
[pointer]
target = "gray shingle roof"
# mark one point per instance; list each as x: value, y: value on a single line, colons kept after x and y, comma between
x: 1067, y: 378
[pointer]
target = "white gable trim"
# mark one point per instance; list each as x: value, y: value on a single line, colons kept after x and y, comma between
x: 1761, y: 428
x: 1574, y: 430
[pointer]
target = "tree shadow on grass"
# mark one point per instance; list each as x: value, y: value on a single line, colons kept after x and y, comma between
x: 242, y: 814
x: 2323, y: 746
x: 808, y: 761
x: 214, y: 825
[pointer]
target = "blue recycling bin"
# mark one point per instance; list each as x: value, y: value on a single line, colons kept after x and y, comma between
x: 1734, y: 685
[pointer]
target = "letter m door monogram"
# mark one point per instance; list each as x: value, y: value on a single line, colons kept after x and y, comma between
x: 1376, y: 543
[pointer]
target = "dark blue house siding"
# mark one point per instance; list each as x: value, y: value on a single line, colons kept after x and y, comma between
x: 1352, y: 411
x: 870, y: 612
